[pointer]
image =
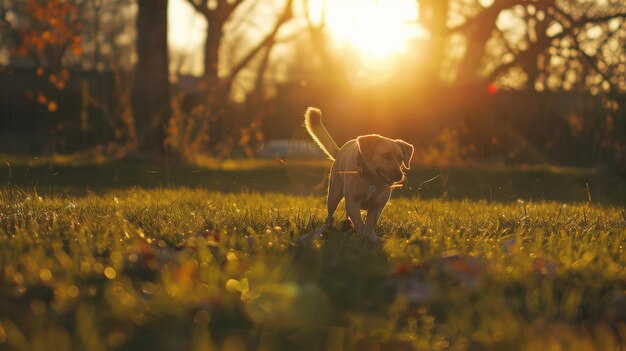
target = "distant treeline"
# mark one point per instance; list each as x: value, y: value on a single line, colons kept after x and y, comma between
x: 470, y: 124
x: 511, y: 81
x: 448, y: 126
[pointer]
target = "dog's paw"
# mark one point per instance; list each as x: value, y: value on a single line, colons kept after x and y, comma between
x: 346, y: 225
x: 373, y: 238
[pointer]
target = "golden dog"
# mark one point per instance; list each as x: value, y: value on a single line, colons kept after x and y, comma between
x: 364, y: 172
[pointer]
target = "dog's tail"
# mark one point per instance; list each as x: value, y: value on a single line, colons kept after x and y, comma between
x: 313, y: 125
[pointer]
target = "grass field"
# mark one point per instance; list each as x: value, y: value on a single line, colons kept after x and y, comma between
x: 502, y: 184
x: 87, y: 265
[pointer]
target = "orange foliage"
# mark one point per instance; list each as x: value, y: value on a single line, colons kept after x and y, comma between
x: 54, y: 27
x: 42, y: 99
x: 52, y: 106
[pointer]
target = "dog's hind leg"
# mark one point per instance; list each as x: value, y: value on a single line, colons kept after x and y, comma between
x: 335, y: 194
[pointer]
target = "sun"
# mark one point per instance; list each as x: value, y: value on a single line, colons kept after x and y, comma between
x: 376, y: 32
x: 374, y: 29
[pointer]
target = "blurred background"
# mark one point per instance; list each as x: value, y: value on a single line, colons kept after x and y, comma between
x: 468, y: 82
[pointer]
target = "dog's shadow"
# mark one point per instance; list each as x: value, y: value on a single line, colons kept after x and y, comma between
x: 347, y: 265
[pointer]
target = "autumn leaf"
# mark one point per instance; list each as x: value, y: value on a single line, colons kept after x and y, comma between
x: 42, y: 99
x: 52, y: 106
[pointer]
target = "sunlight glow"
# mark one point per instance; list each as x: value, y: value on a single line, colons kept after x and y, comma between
x: 375, y: 29
x: 374, y: 33
x: 186, y: 27
x: 186, y: 33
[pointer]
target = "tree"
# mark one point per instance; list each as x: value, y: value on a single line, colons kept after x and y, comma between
x: 491, y: 51
x: 566, y: 46
x: 220, y: 130
x: 217, y: 14
x: 151, y: 93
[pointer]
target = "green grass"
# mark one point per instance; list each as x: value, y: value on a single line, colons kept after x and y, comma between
x: 193, y: 269
x: 501, y: 184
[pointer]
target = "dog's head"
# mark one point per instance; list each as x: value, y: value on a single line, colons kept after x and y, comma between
x: 386, y: 157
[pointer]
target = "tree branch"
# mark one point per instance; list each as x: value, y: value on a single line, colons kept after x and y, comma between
x: 586, y: 20
x: 236, y: 3
x: 592, y: 62
x: 286, y: 15
x: 567, y: 31
x: 228, y: 8
x: 202, y: 7
x: 532, y: 51
x: 496, y: 8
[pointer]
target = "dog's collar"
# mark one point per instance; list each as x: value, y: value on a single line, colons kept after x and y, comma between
x: 365, y: 171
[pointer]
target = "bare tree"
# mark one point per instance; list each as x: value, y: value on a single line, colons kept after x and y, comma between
x: 217, y: 14
x: 151, y: 93
x: 567, y: 43
x: 547, y: 24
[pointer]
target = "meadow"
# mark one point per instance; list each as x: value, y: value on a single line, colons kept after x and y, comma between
x: 209, y: 266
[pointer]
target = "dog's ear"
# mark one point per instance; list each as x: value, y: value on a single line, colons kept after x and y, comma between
x: 367, y: 145
x: 407, y: 153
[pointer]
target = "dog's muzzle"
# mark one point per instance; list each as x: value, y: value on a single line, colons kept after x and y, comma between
x: 390, y: 180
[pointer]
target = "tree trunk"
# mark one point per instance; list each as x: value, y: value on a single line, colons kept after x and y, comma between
x: 434, y: 16
x: 212, y: 43
x: 477, y: 37
x: 215, y: 103
x: 151, y: 91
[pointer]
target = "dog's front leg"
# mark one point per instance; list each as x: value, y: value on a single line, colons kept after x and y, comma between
x: 373, y: 214
x: 375, y: 209
x: 353, y: 208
